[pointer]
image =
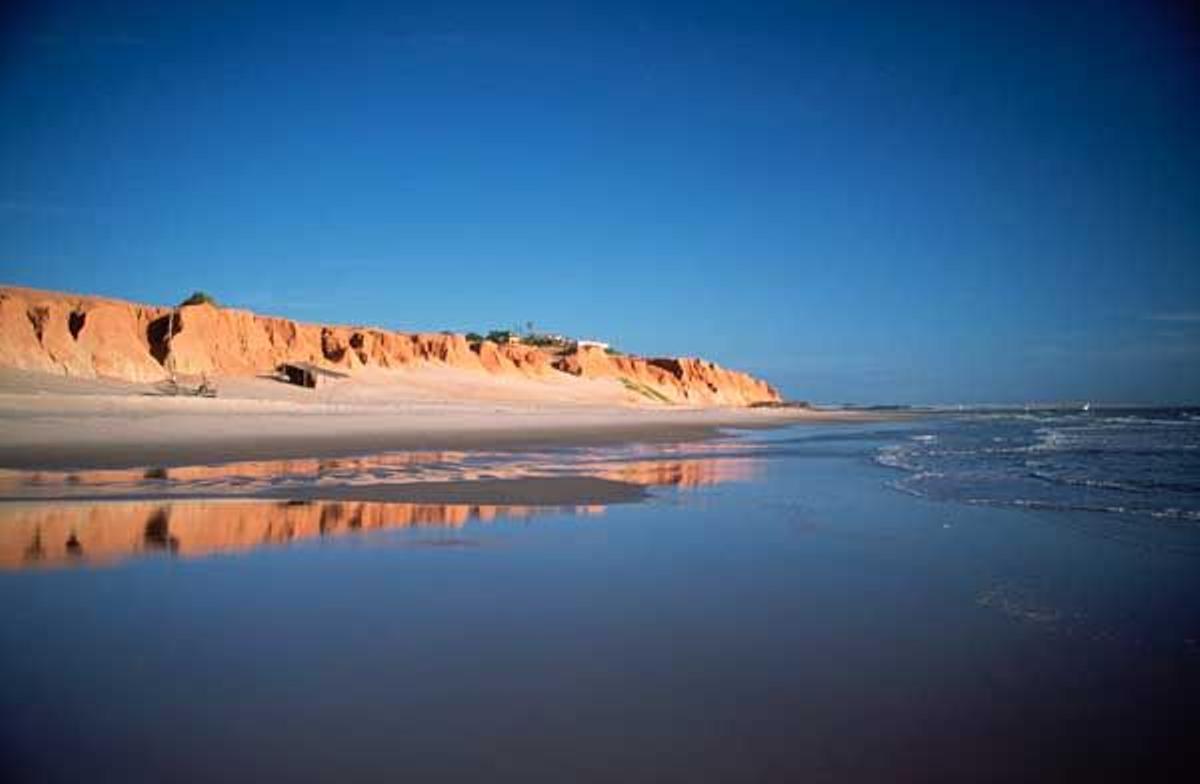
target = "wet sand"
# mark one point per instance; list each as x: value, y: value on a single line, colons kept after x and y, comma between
x: 736, y: 626
x: 536, y: 491
x: 526, y: 491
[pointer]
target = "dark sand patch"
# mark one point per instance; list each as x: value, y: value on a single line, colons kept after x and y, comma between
x: 525, y: 491
x: 533, y: 491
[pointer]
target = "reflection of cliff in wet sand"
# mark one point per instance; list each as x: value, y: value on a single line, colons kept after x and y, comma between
x: 245, y: 474
x: 99, y: 533
x: 64, y: 532
x: 327, y: 478
x: 684, y: 473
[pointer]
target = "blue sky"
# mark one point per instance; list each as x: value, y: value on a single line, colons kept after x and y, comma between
x: 879, y: 202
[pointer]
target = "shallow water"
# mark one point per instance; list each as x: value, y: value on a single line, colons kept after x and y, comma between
x: 785, y: 613
x: 1133, y: 461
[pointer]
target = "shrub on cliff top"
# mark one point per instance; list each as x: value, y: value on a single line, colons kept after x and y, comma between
x: 199, y: 298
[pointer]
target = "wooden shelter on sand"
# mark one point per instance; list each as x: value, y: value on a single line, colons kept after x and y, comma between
x: 306, y: 374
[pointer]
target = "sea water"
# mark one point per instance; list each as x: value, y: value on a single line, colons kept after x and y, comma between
x: 989, y: 596
x: 1143, y: 462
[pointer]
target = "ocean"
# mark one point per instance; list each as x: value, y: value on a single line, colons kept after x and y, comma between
x: 956, y: 596
x: 1136, y: 462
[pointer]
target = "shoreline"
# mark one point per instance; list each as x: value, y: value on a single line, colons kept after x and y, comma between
x: 105, y: 440
x: 189, y: 449
x: 52, y: 424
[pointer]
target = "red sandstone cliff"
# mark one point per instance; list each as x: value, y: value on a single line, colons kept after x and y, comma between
x: 92, y: 337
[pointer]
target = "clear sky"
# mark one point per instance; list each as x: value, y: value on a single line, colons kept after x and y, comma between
x: 892, y: 202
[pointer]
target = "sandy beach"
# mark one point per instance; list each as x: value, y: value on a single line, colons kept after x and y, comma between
x: 697, y: 393
x: 54, y: 423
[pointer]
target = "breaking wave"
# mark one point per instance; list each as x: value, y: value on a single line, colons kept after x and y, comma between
x: 1138, y: 462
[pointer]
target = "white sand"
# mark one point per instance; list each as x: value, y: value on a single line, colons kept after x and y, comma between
x: 47, y: 421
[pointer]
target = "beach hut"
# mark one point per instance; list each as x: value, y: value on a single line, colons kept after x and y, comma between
x: 304, y: 374
x: 299, y: 375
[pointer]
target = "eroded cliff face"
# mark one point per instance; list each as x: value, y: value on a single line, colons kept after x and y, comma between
x: 92, y: 337
x: 684, y: 380
x: 77, y: 336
